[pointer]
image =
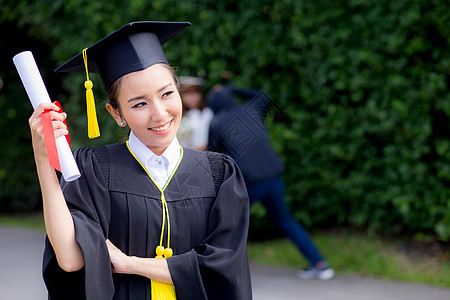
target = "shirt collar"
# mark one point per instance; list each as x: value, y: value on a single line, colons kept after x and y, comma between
x: 171, y: 155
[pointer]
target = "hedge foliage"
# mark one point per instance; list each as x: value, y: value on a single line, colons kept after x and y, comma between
x: 363, y: 85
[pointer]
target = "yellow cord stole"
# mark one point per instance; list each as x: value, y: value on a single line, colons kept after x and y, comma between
x: 162, y: 291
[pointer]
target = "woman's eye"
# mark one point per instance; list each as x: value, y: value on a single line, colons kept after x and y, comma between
x: 167, y: 94
x: 140, y: 104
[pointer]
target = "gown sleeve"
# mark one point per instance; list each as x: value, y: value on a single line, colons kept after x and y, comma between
x: 89, y: 205
x: 218, y: 268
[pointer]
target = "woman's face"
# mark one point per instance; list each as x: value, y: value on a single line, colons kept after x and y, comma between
x: 192, y: 100
x: 150, y: 104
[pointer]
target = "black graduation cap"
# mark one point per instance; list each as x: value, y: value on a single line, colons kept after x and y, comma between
x: 133, y: 47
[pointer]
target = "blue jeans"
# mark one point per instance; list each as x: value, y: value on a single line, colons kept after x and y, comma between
x: 271, y: 194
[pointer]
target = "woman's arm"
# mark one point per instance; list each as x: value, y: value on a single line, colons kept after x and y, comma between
x: 153, y: 268
x: 58, y: 220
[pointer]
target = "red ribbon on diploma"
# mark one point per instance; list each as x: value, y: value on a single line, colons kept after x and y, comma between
x: 49, y: 137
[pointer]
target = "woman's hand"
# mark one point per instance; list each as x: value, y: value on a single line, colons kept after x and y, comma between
x: 37, y: 134
x: 153, y: 268
x: 119, y: 261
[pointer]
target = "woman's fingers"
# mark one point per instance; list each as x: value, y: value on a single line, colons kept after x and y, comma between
x: 43, y: 106
x: 56, y: 117
x: 37, y: 132
x: 119, y: 261
x: 110, y: 245
x: 35, y: 118
x: 59, y: 129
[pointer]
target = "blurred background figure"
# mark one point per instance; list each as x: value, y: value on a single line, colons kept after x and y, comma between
x: 239, y: 131
x: 194, y: 127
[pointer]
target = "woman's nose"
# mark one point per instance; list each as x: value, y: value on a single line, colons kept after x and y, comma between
x: 159, y: 111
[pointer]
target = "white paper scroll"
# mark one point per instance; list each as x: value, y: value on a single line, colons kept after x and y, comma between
x: 35, y: 88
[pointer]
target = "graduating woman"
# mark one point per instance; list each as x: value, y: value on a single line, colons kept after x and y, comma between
x: 147, y: 219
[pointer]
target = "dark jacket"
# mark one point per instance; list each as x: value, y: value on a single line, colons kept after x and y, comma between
x: 239, y: 131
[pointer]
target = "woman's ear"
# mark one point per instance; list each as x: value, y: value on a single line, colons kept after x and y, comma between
x: 115, y: 114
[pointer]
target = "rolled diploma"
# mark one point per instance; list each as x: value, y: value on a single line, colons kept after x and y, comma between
x: 37, y: 93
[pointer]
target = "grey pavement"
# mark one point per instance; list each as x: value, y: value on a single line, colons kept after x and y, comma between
x: 20, y: 278
x: 20, y: 264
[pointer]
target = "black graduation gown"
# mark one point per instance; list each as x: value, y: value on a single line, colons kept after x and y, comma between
x: 114, y: 198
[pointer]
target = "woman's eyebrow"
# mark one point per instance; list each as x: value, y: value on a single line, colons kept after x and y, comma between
x: 159, y: 91
x: 164, y: 87
x: 136, y: 98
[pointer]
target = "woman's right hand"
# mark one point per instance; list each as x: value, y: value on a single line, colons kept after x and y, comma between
x: 37, y: 134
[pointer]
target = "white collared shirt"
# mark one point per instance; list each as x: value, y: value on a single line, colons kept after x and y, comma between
x: 159, y: 167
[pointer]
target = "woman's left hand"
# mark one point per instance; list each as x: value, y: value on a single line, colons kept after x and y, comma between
x: 119, y: 261
x: 153, y: 268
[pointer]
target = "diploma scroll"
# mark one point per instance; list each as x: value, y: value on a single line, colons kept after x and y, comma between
x: 37, y: 93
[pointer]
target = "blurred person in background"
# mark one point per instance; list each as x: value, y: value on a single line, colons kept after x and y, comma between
x: 194, y: 126
x: 239, y: 131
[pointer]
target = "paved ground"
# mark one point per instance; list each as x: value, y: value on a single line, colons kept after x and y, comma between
x: 20, y: 264
x: 282, y: 284
x: 20, y: 278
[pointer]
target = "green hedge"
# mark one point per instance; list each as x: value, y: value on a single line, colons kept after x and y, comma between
x: 362, y: 83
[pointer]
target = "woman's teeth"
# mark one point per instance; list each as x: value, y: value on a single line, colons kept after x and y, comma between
x: 162, y: 128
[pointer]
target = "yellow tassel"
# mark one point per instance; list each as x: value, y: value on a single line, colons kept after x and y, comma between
x: 163, y: 291
x: 93, y: 129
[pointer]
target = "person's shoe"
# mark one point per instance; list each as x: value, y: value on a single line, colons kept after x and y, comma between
x: 311, y: 273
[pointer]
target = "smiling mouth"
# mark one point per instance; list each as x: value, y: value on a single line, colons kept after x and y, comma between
x: 162, y: 128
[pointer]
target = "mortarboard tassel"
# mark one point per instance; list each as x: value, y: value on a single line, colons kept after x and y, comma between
x: 93, y: 129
